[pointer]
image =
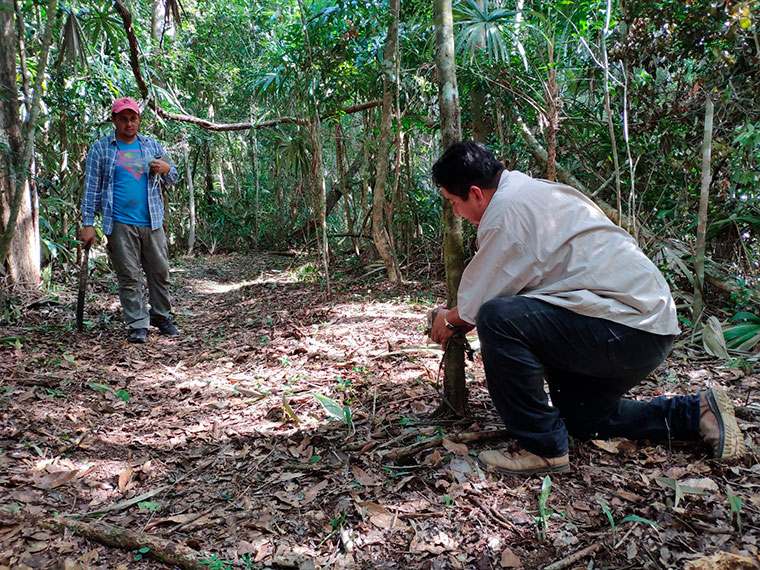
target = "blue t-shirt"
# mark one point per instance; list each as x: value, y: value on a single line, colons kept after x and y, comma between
x: 130, y: 186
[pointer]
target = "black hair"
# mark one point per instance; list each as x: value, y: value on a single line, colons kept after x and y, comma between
x: 465, y: 164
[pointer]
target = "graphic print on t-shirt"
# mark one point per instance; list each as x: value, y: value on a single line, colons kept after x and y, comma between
x: 133, y: 162
x: 130, y: 187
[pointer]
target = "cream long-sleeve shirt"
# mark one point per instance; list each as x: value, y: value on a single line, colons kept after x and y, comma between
x: 548, y: 241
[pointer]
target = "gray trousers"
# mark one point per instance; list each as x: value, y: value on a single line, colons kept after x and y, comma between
x: 133, y: 247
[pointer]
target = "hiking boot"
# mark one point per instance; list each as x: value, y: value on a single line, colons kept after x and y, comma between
x: 522, y: 462
x: 164, y: 325
x: 138, y: 336
x: 717, y: 424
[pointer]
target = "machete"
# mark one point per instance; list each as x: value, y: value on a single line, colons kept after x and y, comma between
x: 83, y: 274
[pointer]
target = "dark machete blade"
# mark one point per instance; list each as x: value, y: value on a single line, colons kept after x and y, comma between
x: 83, y: 274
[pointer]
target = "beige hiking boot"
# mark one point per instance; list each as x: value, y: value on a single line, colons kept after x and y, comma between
x: 522, y: 462
x: 717, y: 424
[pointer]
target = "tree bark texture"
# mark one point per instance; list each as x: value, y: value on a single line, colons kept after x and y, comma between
x: 704, y: 197
x: 191, y: 200
x: 454, y: 386
x: 552, y: 117
x: 20, y: 242
x: 380, y: 221
x: 608, y: 112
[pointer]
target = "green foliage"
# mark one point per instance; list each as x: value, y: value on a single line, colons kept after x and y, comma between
x: 735, y: 503
x: 744, y: 334
x: 544, y: 512
x: 336, y: 411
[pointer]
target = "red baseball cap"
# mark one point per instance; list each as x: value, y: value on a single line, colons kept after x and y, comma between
x: 124, y: 103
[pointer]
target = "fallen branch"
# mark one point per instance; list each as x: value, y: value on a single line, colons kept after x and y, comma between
x: 573, y: 558
x: 109, y: 535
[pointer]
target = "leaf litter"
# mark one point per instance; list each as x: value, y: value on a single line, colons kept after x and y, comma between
x: 286, y: 429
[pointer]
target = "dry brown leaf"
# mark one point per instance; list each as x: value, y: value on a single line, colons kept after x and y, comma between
x: 125, y: 477
x: 312, y: 493
x: 364, y: 478
x: 509, y: 559
x: 615, y: 445
x: 723, y: 561
x: 457, y: 448
x: 265, y: 550
x: 434, y: 459
x: 176, y: 519
x: 54, y: 479
x: 380, y: 516
x: 703, y: 484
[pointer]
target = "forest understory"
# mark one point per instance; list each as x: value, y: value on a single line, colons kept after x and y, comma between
x: 286, y: 429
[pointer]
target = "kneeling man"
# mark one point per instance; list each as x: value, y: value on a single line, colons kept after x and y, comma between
x: 558, y: 292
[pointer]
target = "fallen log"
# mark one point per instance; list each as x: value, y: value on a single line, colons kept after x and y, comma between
x: 109, y: 535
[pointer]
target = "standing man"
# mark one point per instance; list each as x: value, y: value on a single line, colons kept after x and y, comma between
x: 559, y: 292
x: 123, y: 181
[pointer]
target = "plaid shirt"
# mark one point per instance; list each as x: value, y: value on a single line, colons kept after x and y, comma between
x: 98, y: 181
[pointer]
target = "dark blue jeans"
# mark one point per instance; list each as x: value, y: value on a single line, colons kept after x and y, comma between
x: 588, y: 363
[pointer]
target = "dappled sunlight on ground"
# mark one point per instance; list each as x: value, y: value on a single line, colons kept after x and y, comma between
x: 282, y: 420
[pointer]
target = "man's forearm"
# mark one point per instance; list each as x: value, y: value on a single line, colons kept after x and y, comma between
x: 453, y: 317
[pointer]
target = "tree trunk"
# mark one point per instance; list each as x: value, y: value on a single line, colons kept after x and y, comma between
x: 552, y: 117
x: 20, y: 242
x: 191, y: 200
x: 157, y: 20
x: 209, y: 193
x: 454, y: 386
x: 380, y: 223
x: 608, y: 111
x: 339, y: 161
x: 320, y: 194
x: 478, y: 93
x: 256, y: 197
x: 699, y: 254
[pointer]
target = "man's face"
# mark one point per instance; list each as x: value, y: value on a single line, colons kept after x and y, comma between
x: 469, y: 209
x: 127, y: 123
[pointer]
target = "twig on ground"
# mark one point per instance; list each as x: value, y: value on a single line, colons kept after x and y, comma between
x: 497, y: 517
x: 455, y: 437
x: 125, y: 504
x: 573, y: 558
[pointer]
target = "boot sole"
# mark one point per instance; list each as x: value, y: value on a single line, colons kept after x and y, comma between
x: 731, y: 442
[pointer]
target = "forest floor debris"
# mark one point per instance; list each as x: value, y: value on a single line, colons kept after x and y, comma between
x: 286, y: 429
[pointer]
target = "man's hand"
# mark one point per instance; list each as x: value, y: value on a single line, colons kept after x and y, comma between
x: 87, y: 235
x: 159, y: 166
x: 440, y: 332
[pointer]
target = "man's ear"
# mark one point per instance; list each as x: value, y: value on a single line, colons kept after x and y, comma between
x: 477, y: 191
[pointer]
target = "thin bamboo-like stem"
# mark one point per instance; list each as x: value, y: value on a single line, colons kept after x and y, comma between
x: 704, y: 197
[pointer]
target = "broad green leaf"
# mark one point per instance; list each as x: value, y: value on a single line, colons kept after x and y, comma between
x: 333, y: 408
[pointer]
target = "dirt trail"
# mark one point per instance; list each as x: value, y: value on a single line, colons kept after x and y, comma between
x: 222, y: 438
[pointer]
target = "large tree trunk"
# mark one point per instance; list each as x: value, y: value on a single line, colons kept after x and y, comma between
x: 454, y: 387
x: 699, y: 254
x: 380, y: 221
x: 20, y: 241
